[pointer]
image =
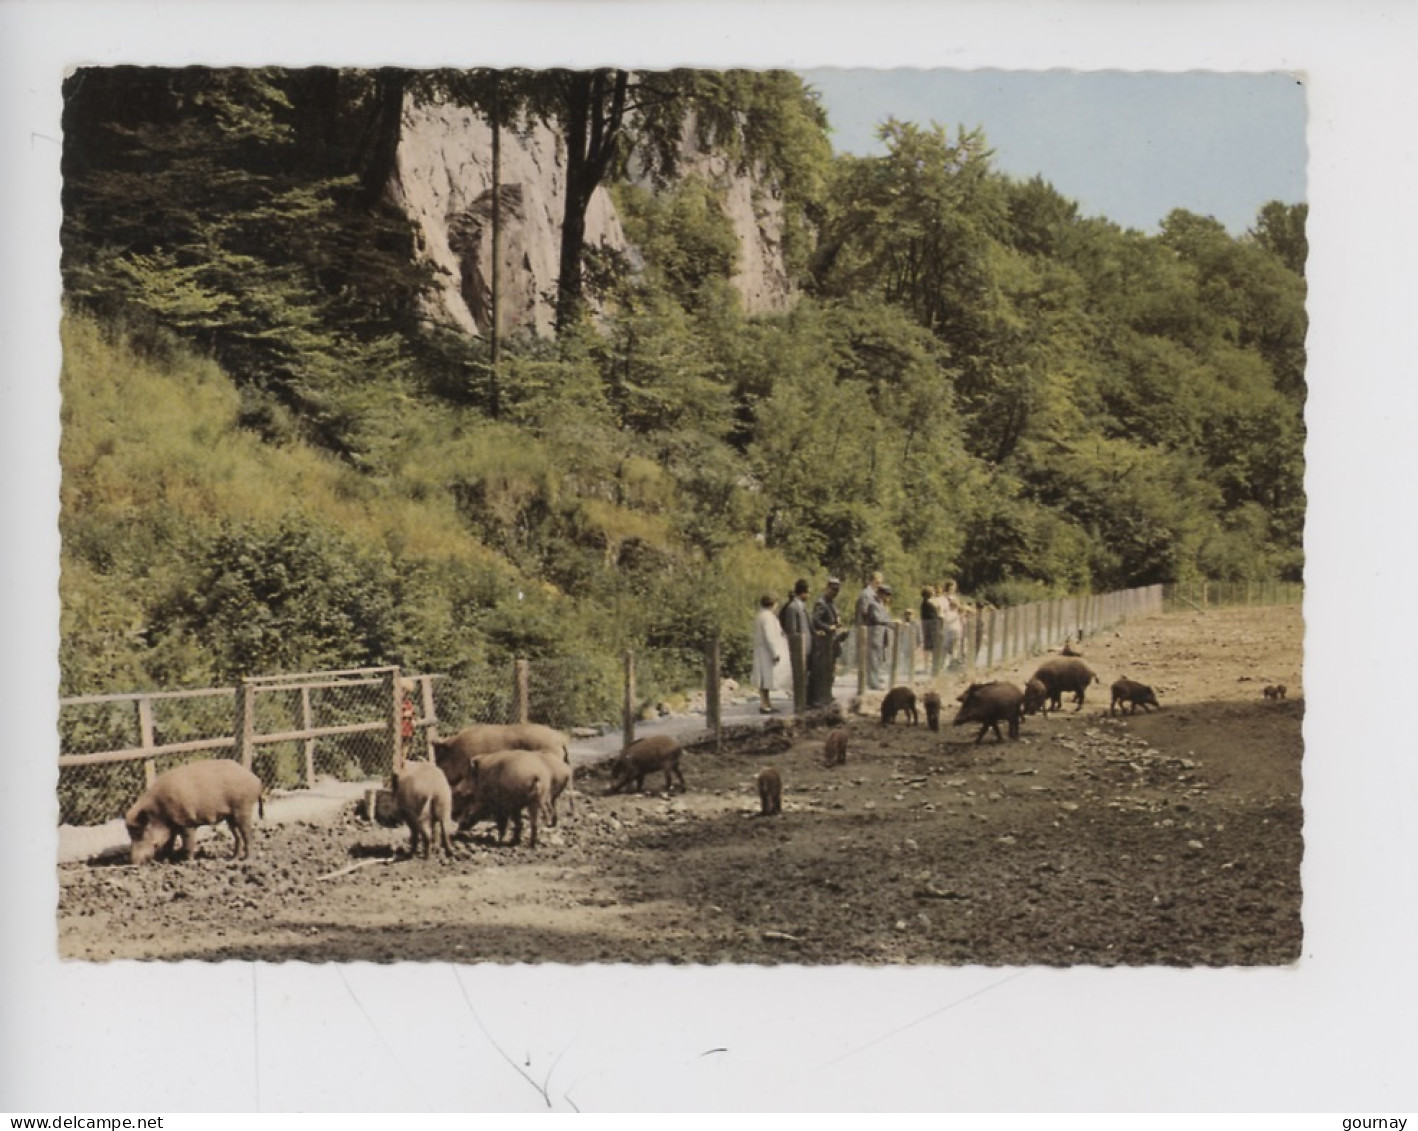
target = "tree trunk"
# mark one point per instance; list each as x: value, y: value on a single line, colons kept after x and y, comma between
x: 380, y: 144
x: 595, y: 106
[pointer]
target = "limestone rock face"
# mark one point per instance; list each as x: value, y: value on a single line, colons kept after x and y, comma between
x: 443, y: 181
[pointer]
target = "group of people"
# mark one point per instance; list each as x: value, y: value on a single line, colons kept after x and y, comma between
x: 939, y: 631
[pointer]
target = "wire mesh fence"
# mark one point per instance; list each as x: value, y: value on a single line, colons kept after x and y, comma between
x: 1211, y: 594
x: 905, y: 653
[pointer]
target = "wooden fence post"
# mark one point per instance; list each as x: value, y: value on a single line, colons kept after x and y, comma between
x: 893, y: 633
x: 394, y: 702
x: 430, y: 713
x: 521, y: 701
x: 627, y: 711
x: 246, y: 722
x: 145, y: 738
x: 713, y: 710
x: 307, y: 721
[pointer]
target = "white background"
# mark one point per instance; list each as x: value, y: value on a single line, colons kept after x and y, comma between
x: 1334, y: 1033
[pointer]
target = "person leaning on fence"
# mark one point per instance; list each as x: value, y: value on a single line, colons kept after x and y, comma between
x: 770, y: 653
x: 955, y: 612
x: 952, y: 624
x: 827, y: 633
x: 908, y: 641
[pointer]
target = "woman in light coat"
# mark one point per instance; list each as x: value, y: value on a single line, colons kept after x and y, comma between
x: 770, y: 653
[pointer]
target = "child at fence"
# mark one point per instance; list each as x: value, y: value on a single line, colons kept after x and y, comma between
x: 407, y: 716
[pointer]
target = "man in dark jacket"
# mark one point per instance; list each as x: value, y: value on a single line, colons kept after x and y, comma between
x: 827, y: 632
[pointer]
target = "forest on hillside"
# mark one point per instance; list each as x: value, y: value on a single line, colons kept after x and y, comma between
x: 272, y: 461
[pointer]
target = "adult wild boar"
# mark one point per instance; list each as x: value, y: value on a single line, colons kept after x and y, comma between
x: 931, y: 702
x: 1065, y: 673
x: 425, y: 802
x: 770, y: 791
x: 899, y: 700
x: 453, y: 755
x: 183, y: 798
x: 487, y: 738
x: 990, y: 704
x: 1135, y: 695
x: 834, y: 750
x: 501, y: 786
x: 644, y: 756
x: 1036, y: 697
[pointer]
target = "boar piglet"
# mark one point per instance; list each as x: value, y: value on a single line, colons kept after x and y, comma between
x: 931, y: 702
x: 990, y: 704
x: 425, y: 802
x: 899, y: 700
x: 770, y: 791
x: 658, y: 752
x: 501, y: 786
x: 183, y: 798
x: 1135, y: 695
x: 1065, y: 674
x: 834, y: 750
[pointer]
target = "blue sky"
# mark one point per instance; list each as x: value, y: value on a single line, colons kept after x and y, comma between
x: 1130, y: 146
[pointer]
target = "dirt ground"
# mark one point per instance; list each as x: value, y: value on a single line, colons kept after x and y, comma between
x: 1170, y: 838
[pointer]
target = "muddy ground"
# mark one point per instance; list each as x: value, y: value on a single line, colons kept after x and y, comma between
x: 1168, y: 838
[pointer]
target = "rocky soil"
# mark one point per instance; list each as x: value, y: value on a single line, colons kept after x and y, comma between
x: 1169, y: 838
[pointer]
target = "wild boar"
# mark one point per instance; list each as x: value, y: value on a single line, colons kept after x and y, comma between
x: 1135, y: 695
x: 1069, y: 650
x: 658, y: 752
x: 453, y: 755
x: 1036, y: 697
x: 770, y: 791
x: 1065, y: 674
x: 931, y: 702
x: 834, y: 750
x: 425, y: 802
x: 899, y: 700
x: 198, y: 793
x: 501, y: 786
x: 1280, y: 691
x: 487, y: 738
x: 990, y: 704
x: 1268, y: 691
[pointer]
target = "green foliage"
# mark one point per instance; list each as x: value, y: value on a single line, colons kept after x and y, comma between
x: 270, y: 465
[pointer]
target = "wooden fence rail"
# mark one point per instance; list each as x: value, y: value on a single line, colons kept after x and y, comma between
x: 388, y: 685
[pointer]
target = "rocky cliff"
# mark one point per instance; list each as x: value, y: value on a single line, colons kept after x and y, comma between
x: 443, y: 181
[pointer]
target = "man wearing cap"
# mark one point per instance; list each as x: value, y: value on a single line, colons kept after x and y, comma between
x: 827, y: 633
